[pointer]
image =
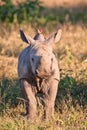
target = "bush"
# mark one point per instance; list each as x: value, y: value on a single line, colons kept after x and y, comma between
x: 28, y: 11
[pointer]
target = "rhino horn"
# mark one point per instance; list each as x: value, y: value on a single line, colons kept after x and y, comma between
x: 39, y: 31
x: 39, y: 36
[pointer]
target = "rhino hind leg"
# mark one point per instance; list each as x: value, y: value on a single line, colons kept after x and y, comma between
x: 29, y: 96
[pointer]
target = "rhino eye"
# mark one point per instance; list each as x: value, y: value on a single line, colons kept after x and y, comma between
x: 33, y: 59
x: 52, y: 59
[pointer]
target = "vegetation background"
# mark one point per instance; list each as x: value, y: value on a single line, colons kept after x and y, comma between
x: 71, y: 51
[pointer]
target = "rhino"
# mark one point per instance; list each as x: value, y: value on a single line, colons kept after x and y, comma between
x: 38, y: 72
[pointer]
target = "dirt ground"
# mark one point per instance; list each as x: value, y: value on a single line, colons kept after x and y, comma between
x: 64, y: 3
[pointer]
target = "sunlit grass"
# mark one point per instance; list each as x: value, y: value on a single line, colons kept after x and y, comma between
x: 71, y: 102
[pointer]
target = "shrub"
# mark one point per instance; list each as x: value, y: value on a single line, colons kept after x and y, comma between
x: 28, y: 11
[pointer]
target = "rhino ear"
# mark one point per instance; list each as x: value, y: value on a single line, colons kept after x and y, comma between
x: 55, y: 37
x: 24, y: 38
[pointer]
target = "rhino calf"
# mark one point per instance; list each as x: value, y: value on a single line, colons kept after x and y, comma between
x: 38, y: 71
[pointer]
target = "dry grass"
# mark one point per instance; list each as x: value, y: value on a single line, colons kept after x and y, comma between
x: 72, y: 54
x: 64, y: 3
x: 71, y: 48
x: 58, y: 3
x: 53, y: 3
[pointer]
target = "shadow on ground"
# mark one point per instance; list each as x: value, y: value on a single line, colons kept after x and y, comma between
x: 70, y: 93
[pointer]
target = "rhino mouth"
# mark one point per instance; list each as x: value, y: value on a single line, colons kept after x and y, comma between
x: 41, y: 78
x: 41, y: 82
x: 41, y: 75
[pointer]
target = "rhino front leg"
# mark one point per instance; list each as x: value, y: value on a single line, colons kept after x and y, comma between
x: 49, y: 99
x: 29, y: 95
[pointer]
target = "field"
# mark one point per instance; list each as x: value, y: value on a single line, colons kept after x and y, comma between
x: 71, y: 51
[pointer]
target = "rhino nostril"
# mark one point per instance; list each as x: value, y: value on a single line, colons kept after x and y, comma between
x: 36, y: 72
x: 50, y: 67
x: 45, y: 71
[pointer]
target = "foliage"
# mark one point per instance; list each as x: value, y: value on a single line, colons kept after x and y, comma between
x: 33, y: 11
x: 28, y: 11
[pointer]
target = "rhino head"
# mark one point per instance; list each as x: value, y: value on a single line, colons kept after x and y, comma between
x: 41, y: 57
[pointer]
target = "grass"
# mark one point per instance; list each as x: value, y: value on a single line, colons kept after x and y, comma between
x: 70, y: 108
x: 71, y: 102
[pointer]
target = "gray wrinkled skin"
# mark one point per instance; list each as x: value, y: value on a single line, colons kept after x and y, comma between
x: 38, y: 71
